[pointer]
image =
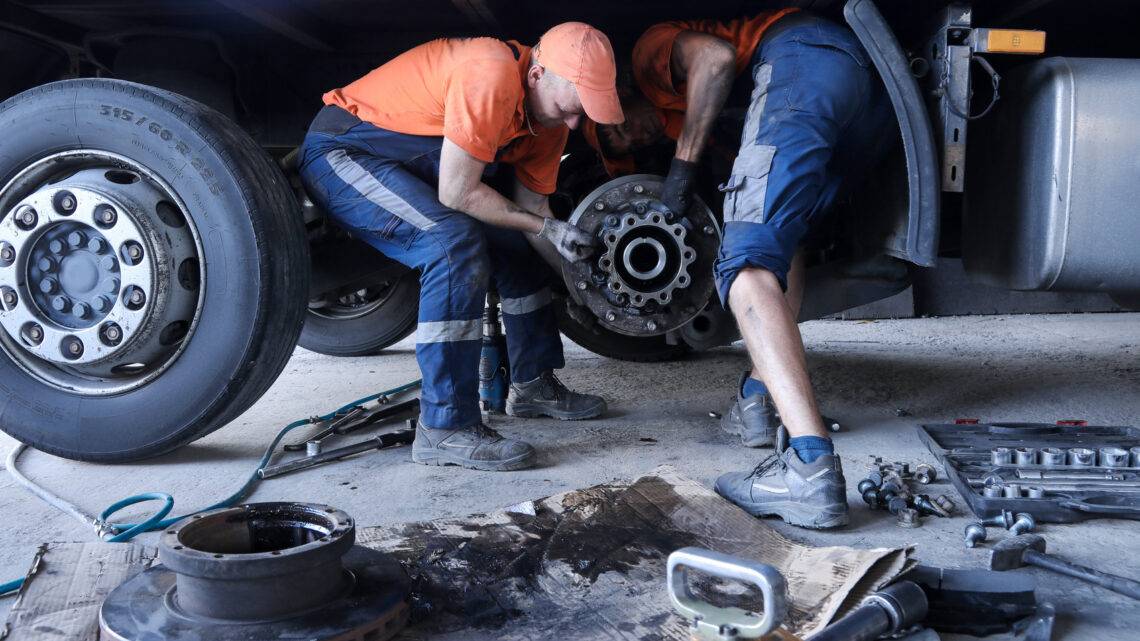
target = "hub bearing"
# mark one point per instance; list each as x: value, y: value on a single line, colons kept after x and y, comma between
x: 654, y: 273
x: 261, y: 571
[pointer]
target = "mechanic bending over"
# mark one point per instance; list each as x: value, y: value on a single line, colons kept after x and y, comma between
x: 817, y: 117
x: 397, y: 158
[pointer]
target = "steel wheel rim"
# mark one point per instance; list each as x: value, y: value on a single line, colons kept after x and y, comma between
x: 124, y: 351
x: 342, y: 311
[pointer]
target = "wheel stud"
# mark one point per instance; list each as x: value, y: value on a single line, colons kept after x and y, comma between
x: 76, y: 239
x: 134, y: 297
x: 46, y: 264
x: 82, y: 310
x: 97, y: 245
x: 7, y: 254
x: 61, y: 304
x: 26, y: 217
x: 106, y: 215
x: 131, y: 252
x: 49, y: 285
x: 103, y: 304
x: 10, y: 298
x: 111, y: 334
x: 34, y: 334
x: 72, y: 347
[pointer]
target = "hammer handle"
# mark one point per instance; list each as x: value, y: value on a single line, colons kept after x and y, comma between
x: 1118, y: 584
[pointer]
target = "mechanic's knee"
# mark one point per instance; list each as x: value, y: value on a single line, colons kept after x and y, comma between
x: 755, y: 281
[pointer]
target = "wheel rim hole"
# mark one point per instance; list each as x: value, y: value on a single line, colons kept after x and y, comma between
x: 64, y: 202
x: 7, y: 254
x: 9, y: 298
x: 27, y: 218
x: 173, y: 333
x: 682, y: 280
x: 111, y: 334
x: 688, y: 255
x: 121, y: 177
x: 637, y: 298
x: 189, y: 274
x: 134, y: 297
x: 612, y: 238
x: 71, y: 347
x: 106, y: 216
x: 128, y: 368
x: 677, y: 231
x: 131, y: 253
x: 631, y: 220
x: 32, y: 334
x: 169, y: 214
x: 656, y: 218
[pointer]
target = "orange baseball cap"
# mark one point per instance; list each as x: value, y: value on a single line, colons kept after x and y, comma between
x: 583, y: 55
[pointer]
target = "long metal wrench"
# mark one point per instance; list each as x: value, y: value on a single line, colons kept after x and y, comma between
x: 357, y: 418
x: 379, y: 442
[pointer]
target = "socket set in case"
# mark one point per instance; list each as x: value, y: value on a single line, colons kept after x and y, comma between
x: 1059, y: 473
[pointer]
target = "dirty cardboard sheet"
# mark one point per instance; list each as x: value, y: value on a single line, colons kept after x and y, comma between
x: 66, y: 585
x: 590, y: 564
x: 586, y: 564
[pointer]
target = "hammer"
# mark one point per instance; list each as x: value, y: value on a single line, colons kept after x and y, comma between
x: 1029, y: 549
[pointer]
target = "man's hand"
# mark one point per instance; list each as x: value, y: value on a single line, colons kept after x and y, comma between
x: 676, y: 195
x: 573, y: 243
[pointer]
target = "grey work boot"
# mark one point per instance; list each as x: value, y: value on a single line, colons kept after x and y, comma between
x: 753, y: 419
x: 811, y: 495
x: 477, y: 447
x: 547, y: 396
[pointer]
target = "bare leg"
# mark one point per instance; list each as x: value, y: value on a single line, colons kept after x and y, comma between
x: 773, y: 340
x: 794, y: 295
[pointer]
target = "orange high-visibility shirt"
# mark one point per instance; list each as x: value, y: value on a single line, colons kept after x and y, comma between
x: 468, y: 90
x: 653, y: 53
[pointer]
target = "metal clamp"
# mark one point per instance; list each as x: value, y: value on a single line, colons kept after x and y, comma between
x: 721, y: 624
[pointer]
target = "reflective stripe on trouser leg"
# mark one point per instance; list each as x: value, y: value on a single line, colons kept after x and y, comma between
x: 522, y: 278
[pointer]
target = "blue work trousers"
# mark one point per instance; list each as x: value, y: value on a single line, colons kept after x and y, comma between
x: 382, y: 187
x: 818, y: 118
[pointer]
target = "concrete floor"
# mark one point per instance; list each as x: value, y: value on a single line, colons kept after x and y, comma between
x: 1024, y: 368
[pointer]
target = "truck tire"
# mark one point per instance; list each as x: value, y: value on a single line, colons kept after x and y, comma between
x: 604, y: 342
x: 153, y: 266
x: 366, y: 322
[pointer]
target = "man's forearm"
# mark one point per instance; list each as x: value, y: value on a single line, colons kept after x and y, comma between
x: 487, y: 205
x: 709, y: 82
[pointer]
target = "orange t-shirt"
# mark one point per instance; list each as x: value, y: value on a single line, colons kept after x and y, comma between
x: 653, y: 53
x: 469, y: 90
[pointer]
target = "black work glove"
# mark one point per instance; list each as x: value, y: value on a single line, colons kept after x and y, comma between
x: 676, y: 195
x: 572, y: 243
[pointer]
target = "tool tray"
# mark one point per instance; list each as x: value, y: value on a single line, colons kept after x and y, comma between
x: 1062, y: 493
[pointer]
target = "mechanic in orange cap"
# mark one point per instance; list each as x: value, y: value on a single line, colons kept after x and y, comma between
x: 816, y: 118
x: 397, y: 158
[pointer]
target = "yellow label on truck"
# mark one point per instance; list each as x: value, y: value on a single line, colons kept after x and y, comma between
x: 1009, y: 41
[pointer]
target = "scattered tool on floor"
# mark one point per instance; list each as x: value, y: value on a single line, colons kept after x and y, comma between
x: 1029, y: 549
x: 378, y: 442
x: 887, y: 488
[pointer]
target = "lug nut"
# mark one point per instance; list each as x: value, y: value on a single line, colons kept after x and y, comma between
x: 945, y: 503
x: 97, y: 245
x: 1003, y: 520
x: 582, y: 285
x: 924, y: 473
x: 651, y: 325
x: 56, y: 247
x: 34, y: 334
x: 27, y: 217
x: 611, y: 221
x: 975, y: 534
x: 106, y: 215
x: 131, y: 252
x: 76, y: 239
x: 638, y: 189
x: 908, y: 518
x: 111, y: 286
x: 82, y: 310
x: 709, y: 229
x: 46, y: 264
x: 107, y: 263
x: 640, y: 208
x: 111, y: 334
x: 611, y: 317
x: 72, y: 347
x: 1024, y: 523
x: 103, y: 304
x: 49, y: 285
x: 65, y: 202
x: 61, y: 304
x: 7, y: 254
x: 599, y: 206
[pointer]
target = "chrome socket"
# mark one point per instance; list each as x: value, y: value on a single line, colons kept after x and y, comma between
x: 1052, y: 457
x: 1113, y: 457
x: 1025, y: 456
x: 1001, y: 456
x: 1082, y: 457
x: 1035, y: 492
x: 1011, y: 491
x: 992, y: 491
x: 1134, y: 457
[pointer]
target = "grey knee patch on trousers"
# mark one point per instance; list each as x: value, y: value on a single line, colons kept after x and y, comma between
x: 746, y: 187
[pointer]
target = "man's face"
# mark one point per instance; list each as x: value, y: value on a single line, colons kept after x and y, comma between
x: 551, y: 100
x: 642, y: 127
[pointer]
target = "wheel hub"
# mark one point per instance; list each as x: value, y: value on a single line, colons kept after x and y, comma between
x: 89, y: 273
x: 642, y: 283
